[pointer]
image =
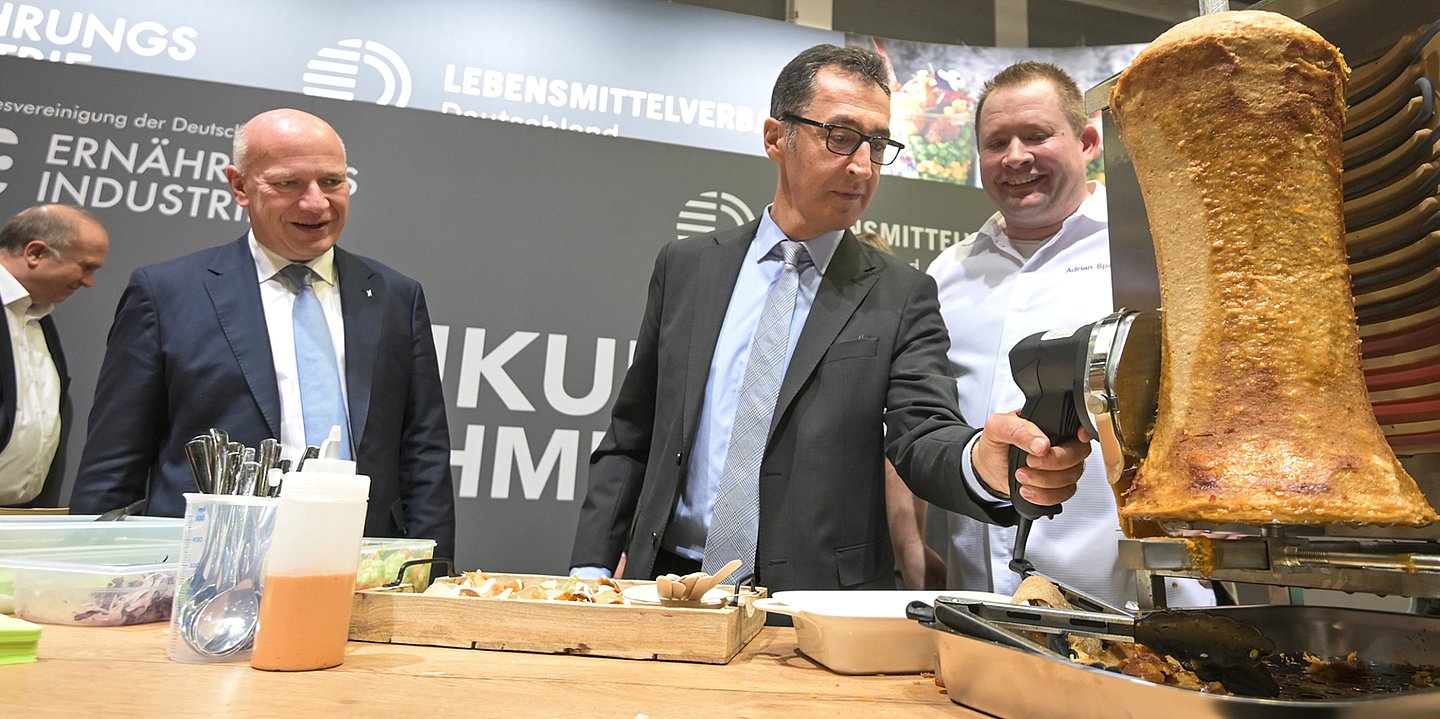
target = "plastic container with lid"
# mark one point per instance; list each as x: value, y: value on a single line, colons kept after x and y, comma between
x: 19, y: 534
x: 109, y: 554
x: 381, y: 558
x: 78, y: 539
x: 310, y: 569
x: 98, y: 587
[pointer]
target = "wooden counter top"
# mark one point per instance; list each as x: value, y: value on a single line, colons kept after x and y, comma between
x: 125, y: 672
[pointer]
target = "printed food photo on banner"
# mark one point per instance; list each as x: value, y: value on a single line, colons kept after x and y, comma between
x: 935, y: 88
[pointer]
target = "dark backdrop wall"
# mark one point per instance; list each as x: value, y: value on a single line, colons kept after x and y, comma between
x: 534, y: 246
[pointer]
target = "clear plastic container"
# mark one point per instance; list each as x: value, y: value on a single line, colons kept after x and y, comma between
x: 310, y: 570
x: 380, y: 561
x: 99, y: 554
x: 218, y: 595
x: 127, y: 585
x: 27, y: 533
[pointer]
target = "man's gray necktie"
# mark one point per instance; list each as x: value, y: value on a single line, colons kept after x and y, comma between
x: 735, y: 521
x: 321, y: 401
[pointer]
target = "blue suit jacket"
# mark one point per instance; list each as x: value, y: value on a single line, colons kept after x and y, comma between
x: 189, y: 350
x: 50, y: 492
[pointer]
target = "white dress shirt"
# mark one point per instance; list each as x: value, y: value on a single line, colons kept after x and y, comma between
x: 35, y: 436
x: 992, y: 295
x: 278, y: 299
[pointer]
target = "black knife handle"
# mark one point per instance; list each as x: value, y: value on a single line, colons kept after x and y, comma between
x: 1048, y: 384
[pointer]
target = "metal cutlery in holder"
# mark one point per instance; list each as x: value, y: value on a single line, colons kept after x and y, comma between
x: 217, y: 599
x: 221, y: 466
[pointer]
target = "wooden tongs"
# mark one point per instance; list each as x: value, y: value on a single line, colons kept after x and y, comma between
x: 693, y: 586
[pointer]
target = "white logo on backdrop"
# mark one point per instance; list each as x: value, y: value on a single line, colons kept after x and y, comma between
x: 334, y: 72
x: 7, y: 137
x: 712, y: 211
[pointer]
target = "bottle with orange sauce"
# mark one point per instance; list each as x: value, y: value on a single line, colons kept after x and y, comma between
x: 310, y: 569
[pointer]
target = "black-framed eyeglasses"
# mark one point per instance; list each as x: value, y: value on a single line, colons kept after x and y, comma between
x: 843, y: 140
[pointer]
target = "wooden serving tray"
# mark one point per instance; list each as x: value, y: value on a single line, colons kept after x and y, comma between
x: 626, y: 631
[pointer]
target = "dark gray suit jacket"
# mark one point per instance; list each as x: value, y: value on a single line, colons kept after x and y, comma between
x: 873, y: 346
x: 189, y: 351
x: 50, y: 492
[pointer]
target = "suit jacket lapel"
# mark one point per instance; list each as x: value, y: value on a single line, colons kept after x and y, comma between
x: 235, y: 293
x: 720, y: 261
x: 57, y: 355
x: 8, y: 389
x: 362, y: 297
x: 848, y: 278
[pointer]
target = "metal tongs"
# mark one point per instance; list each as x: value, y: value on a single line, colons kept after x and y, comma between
x: 1215, y: 647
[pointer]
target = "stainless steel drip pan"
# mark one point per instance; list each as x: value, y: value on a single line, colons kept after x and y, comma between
x: 1013, y: 683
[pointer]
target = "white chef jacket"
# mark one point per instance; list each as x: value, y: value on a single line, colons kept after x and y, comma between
x: 991, y: 298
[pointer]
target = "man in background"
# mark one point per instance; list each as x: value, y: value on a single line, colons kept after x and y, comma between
x: 746, y: 425
x: 278, y: 334
x: 1041, y: 262
x: 46, y: 253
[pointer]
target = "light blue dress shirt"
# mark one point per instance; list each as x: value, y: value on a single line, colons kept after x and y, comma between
x: 685, y: 535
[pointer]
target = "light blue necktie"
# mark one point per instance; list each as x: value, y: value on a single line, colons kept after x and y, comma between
x: 321, y: 401
x: 735, y: 521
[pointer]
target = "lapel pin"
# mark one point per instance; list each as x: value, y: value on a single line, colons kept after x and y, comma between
x: 369, y: 292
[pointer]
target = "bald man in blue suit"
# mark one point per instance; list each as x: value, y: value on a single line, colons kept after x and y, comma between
x: 206, y: 341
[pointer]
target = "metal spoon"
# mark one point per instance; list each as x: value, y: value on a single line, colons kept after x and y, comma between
x: 273, y: 479
x: 311, y: 452
x: 200, y: 463
x: 268, y: 458
x: 234, y: 455
x: 249, y: 477
x: 218, y: 443
x: 218, y: 622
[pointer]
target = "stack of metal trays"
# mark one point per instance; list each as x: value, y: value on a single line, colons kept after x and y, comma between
x: 1392, y: 220
x: 1000, y: 672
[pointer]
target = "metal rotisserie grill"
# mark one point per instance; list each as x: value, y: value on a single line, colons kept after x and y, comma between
x: 1391, y: 184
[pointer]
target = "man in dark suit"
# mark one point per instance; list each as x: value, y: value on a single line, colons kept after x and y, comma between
x: 207, y: 340
x: 46, y: 253
x: 867, y: 342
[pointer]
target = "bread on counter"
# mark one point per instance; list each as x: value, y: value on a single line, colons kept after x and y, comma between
x: 1233, y: 121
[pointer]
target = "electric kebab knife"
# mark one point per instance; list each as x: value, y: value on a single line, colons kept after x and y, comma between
x: 1104, y: 376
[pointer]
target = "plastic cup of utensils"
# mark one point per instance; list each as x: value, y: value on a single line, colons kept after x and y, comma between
x: 217, y: 597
